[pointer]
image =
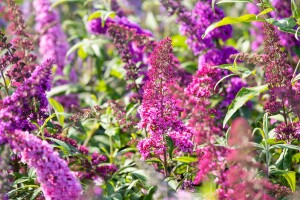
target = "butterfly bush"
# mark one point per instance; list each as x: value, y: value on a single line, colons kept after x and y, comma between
x: 23, y: 45
x: 278, y: 74
x: 56, y: 180
x: 159, y: 113
x: 177, y: 126
x: 199, y: 92
x: 134, y: 45
x: 53, y: 41
x: 17, y: 116
x: 194, y: 23
x: 53, y: 44
x: 18, y: 111
x: 241, y: 174
x: 283, y: 11
x: 217, y: 56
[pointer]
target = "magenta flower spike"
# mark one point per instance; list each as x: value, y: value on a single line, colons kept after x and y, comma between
x: 159, y: 111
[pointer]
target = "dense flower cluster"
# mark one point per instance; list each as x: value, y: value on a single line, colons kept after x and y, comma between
x: 133, y: 44
x: 9, y: 58
x: 288, y: 132
x: 278, y: 72
x: 52, y: 39
x: 194, y: 23
x: 53, y: 44
x: 159, y: 113
x: 95, y: 26
x: 283, y: 11
x: 57, y: 182
x: 162, y: 131
x: 199, y: 91
x: 28, y: 104
x: 212, y: 161
x: 22, y: 43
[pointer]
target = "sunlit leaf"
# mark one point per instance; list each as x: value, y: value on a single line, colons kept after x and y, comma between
x: 232, y: 20
x: 290, y: 177
x: 242, y: 97
x: 58, y: 109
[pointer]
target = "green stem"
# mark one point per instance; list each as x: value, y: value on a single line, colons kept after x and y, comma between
x: 165, y: 163
x: 110, y: 150
x: 5, y: 85
x: 284, y: 113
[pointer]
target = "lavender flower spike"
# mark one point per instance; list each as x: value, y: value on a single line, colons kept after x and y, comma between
x: 53, y: 40
x: 57, y: 182
x: 17, y: 114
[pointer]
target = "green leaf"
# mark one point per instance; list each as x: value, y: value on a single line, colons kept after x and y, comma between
x: 31, y: 173
x: 103, y: 14
x: 173, y: 184
x: 58, y: 109
x: 110, y: 189
x: 130, y: 107
x: 259, y: 146
x: 21, y: 180
x: 295, y: 11
x: 296, y: 158
x: 266, y: 11
x: 243, y: 96
x: 150, y: 193
x: 285, y: 160
x: 170, y: 145
x: 234, y: 1
x: 285, y: 23
x: 179, y: 41
x: 285, y: 146
x: 222, y: 79
x: 82, y: 53
x: 266, y: 126
x: 116, y: 196
x: 112, y: 131
x: 56, y: 3
x: 62, y: 145
x: 262, y: 133
x: 154, y: 160
x: 232, y: 20
x: 22, y: 188
x: 130, y: 186
x: 277, y: 117
x: 84, y: 44
x: 290, y: 177
x: 186, y: 159
x: 296, y: 78
x: 273, y: 141
x: 35, y: 193
x: 140, y: 174
x: 132, y: 149
x: 237, y: 69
